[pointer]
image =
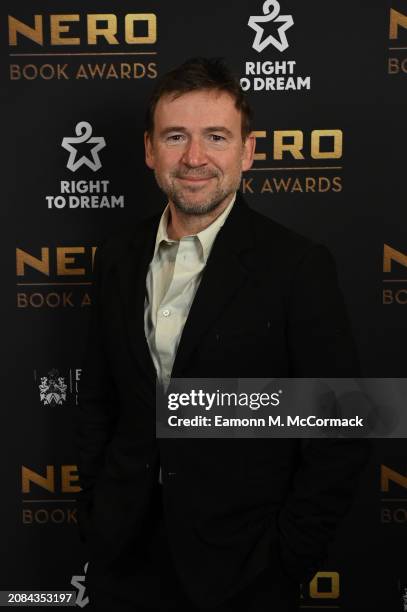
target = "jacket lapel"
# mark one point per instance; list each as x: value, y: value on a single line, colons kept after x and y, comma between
x: 224, y: 273
x: 132, y: 272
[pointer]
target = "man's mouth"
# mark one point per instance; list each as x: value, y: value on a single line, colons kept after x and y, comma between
x: 195, y: 179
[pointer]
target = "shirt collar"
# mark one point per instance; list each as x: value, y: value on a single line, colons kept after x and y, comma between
x: 206, y: 237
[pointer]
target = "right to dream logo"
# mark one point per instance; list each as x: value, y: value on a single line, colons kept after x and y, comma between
x: 84, y: 193
x: 261, y: 41
x: 83, y: 131
x: 271, y: 31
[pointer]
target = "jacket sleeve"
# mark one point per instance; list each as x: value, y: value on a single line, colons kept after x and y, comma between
x: 325, y: 483
x: 97, y: 399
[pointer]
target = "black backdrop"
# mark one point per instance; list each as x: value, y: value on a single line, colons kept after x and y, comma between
x: 344, y: 187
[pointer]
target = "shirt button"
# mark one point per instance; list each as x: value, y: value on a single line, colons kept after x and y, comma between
x: 166, y: 312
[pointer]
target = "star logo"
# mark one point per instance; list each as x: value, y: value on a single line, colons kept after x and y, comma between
x: 271, y: 10
x: 77, y: 582
x: 83, y: 132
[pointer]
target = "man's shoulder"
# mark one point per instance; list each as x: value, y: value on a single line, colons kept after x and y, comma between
x: 128, y: 235
x: 282, y: 253
x: 272, y: 239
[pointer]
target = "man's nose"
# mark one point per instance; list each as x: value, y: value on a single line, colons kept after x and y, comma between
x: 194, y: 154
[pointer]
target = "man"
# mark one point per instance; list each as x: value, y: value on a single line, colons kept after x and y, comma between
x: 207, y: 289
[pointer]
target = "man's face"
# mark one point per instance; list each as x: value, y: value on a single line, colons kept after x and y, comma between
x: 196, y: 150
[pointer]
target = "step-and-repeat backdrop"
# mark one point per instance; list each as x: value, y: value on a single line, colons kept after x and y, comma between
x: 327, y: 81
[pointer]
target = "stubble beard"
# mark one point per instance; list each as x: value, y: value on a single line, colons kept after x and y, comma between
x: 180, y: 199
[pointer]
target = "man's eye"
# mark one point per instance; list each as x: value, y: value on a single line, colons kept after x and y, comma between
x: 217, y: 138
x: 175, y: 138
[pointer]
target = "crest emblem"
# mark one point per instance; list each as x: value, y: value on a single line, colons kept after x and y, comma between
x: 52, y: 389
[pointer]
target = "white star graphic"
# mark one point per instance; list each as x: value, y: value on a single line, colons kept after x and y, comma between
x: 287, y: 22
x: 76, y: 581
x: 83, y: 132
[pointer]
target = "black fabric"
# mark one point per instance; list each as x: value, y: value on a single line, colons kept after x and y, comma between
x: 270, y: 590
x: 268, y: 305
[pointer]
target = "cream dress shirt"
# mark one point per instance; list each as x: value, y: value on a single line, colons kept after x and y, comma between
x: 173, y: 278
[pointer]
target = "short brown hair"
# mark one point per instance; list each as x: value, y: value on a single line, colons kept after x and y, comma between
x: 200, y: 73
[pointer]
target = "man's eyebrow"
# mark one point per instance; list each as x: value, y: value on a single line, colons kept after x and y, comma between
x: 219, y: 128
x: 172, y: 128
x: 207, y: 130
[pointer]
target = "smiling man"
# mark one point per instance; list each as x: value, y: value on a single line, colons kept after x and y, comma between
x: 198, y: 149
x: 207, y: 289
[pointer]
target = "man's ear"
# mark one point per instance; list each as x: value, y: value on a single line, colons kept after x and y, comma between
x: 148, y: 149
x: 249, y: 147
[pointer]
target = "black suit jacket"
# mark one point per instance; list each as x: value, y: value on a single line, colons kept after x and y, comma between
x: 268, y: 305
